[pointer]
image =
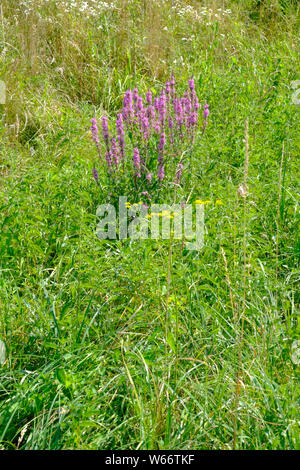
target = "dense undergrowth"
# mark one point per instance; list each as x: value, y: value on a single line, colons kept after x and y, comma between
x: 88, y: 362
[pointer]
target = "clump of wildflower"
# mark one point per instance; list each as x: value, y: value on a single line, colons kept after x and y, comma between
x: 150, y: 126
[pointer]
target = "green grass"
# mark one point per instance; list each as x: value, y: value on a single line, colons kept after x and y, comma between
x: 83, y: 320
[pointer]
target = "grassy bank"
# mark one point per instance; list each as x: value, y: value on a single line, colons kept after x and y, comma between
x: 88, y: 362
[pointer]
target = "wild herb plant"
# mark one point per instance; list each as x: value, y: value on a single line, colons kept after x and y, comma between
x: 152, y: 139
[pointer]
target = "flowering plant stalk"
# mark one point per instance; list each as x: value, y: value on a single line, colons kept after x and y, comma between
x: 145, y: 152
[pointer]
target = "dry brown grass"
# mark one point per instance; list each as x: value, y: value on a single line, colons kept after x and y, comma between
x: 80, y: 59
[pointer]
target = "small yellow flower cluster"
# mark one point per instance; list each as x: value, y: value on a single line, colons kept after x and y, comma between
x: 199, y: 201
x: 174, y: 300
x: 128, y: 204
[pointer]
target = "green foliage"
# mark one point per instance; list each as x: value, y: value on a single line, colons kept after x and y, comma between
x: 83, y: 320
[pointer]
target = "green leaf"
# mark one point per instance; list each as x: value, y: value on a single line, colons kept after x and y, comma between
x: 63, y: 377
x: 171, y: 342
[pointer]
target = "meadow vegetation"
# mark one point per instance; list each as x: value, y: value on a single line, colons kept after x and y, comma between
x: 128, y: 344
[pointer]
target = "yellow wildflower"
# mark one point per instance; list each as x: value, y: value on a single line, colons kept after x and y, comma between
x: 199, y: 201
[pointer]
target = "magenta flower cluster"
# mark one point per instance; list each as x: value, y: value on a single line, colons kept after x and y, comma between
x: 150, y: 134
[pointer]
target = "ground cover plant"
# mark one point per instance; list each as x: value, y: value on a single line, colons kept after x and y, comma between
x: 143, y: 344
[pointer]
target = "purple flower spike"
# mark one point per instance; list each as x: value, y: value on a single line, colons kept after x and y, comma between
x: 149, y: 177
x: 171, y: 126
x: 161, y: 145
x: 205, y: 115
x: 121, y: 134
x: 168, y: 90
x: 162, y: 108
x: 193, y: 119
x: 179, y: 172
x: 161, y: 173
x: 135, y: 94
x: 196, y: 103
x: 135, y: 98
x: 188, y: 105
x: 109, y: 160
x: 149, y: 97
x: 137, y: 162
x: 94, y: 130
x: 145, y: 125
x: 140, y: 105
x: 128, y: 111
x: 151, y: 115
x: 157, y: 127
x: 105, y: 131
x: 178, y: 113
x: 192, y: 84
x: 206, y: 111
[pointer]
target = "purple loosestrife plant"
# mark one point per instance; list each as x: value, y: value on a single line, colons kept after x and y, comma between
x: 157, y: 131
